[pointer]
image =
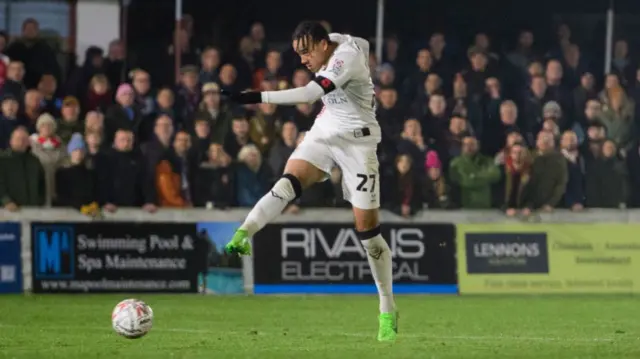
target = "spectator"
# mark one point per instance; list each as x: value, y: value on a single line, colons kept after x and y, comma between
x: 34, y: 52
x: 386, y: 76
x: 304, y: 115
x: 416, y: 80
x: 523, y: 55
x: 187, y: 95
x: 592, y: 113
x: 536, y: 97
x: 22, y: 179
x: 478, y: 72
x: 9, y: 120
x: 535, y: 69
x: 457, y: 132
x: 14, y: 85
x: 169, y: 185
x: 618, y: 117
x: 123, y: 177
x: 49, y: 149
x: 459, y: 104
x: 48, y: 87
x: 211, y: 109
x: 263, y: 126
x: 548, y: 176
x: 574, y: 65
x: 124, y: 115
x: 183, y: 164
x: 201, y: 142
x: 164, y: 104
x: 114, y: 63
x: 436, y: 125
x: 210, y: 65
x: 228, y: 76
x: 94, y: 122
x: 301, y: 78
x: 432, y: 86
x: 512, y: 139
x: 144, y: 98
x: 69, y: 122
x: 94, y: 148
x: 412, y: 143
x: 80, y: 79
x: 441, y: 62
x: 404, y: 189
x: 283, y: 148
x: 596, y: 135
x: 582, y: 94
x: 76, y: 182
x: 272, y: 71
x: 574, y: 194
x: 238, y: 138
x: 32, y: 109
x: 156, y: 149
x: 517, y: 175
x: 633, y: 164
x: 389, y: 113
x: 258, y: 41
x: 245, y: 64
x: 99, y: 97
x: 436, y: 190
x: 607, y: 180
x: 252, y: 176
x: 496, y: 138
x: 214, y: 180
x: 622, y: 64
x: 474, y: 173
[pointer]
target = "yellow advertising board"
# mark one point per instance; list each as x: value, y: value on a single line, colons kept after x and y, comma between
x: 548, y: 258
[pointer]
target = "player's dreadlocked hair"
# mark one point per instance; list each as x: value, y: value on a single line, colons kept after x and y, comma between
x: 310, y: 31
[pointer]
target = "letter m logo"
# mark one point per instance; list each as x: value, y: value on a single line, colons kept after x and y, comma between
x: 53, y: 249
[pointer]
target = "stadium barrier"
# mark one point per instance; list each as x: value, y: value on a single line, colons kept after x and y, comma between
x: 59, y: 250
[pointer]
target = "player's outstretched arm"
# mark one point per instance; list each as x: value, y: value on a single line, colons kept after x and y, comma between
x: 307, y: 94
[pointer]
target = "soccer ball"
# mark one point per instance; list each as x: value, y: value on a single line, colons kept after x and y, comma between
x: 132, y: 318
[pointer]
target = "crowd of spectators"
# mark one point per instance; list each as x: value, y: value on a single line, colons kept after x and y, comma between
x: 521, y: 131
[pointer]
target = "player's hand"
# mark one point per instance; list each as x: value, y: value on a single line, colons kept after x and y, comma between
x: 243, y: 98
x: 11, y: 206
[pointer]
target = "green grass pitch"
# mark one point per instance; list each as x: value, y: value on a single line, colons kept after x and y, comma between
x: 192, y: 326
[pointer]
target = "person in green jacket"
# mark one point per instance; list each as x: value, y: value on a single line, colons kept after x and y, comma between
x: 474, y: 173
x: 22, y: 180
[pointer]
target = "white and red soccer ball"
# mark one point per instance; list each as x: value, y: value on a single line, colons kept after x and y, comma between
x: 132, y: 318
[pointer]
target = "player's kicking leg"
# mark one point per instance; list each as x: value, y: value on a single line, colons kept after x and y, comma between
x: 299, y: 175
x: 379, y: 257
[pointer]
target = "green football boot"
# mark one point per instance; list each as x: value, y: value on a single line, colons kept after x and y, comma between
x: 388, y: 329
x: 240, y: 243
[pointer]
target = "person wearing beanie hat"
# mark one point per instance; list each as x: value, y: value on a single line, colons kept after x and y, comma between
x: 69, y: 119
x: 76, y: 143
x: 124, y: 115
x: 436, y: 188
x: 76, y: 181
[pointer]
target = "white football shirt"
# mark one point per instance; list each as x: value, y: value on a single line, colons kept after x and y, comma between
x: 352, y: 105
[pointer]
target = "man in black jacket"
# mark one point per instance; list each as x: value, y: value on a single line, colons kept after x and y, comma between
x: 123, y: 175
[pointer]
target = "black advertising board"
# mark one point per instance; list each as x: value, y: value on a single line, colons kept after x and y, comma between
x: 329, y: 258
x: 114, y: 257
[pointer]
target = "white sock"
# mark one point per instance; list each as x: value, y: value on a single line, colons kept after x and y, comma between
x: 379, y: 257
x: 269, y: 206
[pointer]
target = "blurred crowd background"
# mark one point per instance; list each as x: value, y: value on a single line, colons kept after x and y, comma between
x: 524, y: 126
